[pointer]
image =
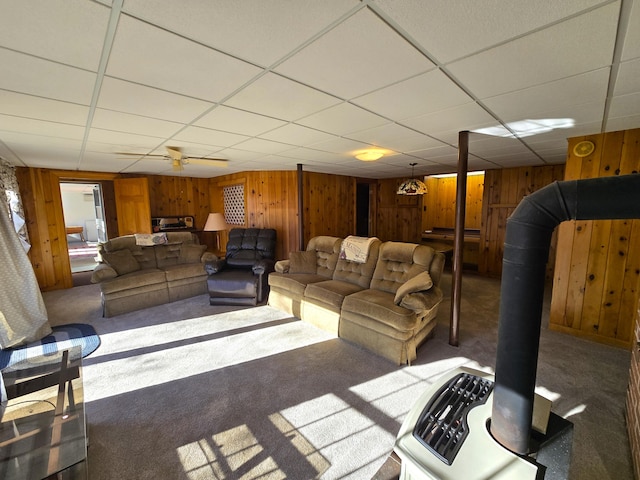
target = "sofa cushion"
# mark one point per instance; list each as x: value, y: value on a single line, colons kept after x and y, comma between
x: 302, y: 262
x: 133, y: 280
x: 327, y: 251
x: 191, y: 253
x: 122, y: 261
x: 331, y: 292
x: 186, y: 270
x: 167, y: 254
x: 379, y: 307
x: 294, y: 283
x: 146, y: 257
x: 399, y: 262
x: 420, y: 282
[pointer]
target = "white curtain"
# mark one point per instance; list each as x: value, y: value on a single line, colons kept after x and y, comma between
x: 23, y: 315
x: 9, y: 185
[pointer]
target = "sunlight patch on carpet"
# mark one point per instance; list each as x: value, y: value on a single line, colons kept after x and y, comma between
x: 164, y: 353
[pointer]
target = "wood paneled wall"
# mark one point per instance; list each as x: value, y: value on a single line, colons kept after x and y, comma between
x: 597, y: 277
x: 271, y: 201
x: 40, y: 192
x: 503, y: 190
x: 329, y: 205
x: 179, y: 196
x: 399, y: 216
x: 440, y: 202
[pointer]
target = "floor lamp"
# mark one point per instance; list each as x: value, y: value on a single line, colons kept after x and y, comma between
x: 215, y: 223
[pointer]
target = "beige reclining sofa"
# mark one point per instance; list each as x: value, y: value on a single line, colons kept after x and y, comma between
x: 141, y: 271
x: 385, y: 300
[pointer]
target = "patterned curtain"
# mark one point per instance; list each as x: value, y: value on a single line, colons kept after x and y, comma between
x: 23, y: 315
x: 9, y: 184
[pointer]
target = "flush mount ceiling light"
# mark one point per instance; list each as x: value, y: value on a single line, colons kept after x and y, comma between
x: 369, y: 155
x: 412, y: 186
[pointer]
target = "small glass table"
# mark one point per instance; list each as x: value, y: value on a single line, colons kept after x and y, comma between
x: 43, y: 429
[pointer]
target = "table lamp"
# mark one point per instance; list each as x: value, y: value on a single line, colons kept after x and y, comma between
x: 215, y: 223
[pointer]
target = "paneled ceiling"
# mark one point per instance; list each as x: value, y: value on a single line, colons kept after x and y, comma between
x: 268, y: 85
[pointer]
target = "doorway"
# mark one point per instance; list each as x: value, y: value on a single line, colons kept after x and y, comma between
x: 84, y: 220
x: 365, y: 209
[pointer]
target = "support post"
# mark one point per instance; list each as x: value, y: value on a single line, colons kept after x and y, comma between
x: 458, y: 239
x: 301, y: 244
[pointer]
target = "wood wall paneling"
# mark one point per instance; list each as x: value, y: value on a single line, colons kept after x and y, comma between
x: 503, y: 190
x: 597, y: 275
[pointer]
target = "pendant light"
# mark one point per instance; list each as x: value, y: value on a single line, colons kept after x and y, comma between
x: 412, y: 186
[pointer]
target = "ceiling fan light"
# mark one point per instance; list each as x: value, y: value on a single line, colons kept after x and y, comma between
x: 176, y: 165
x: 369, y: 155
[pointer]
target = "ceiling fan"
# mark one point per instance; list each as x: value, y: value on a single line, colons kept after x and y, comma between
x: 178, y: 160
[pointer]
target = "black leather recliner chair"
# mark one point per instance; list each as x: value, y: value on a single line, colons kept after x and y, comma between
x: 241, y: 277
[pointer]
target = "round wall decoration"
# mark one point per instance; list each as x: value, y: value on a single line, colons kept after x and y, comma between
x: 584, y: 148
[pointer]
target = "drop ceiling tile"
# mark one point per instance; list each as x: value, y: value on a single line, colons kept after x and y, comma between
x: 238, y: 121
x: 395, y: 137
x: 341, y: 145
x: 261, y: 32
x: 207, y: 136
x: 22, y: 143
x: 69, y: 32
x: 572, y: 47
x: 557, y: 95
x: 296, y: 135
x: 359, y: 55
x: 43, y: 128
x: 34, y: 76
x: 623, y: 123
x: 312, y: 155
x: 177, y: 64
x: 628, y: 75
x: 631, y: 47
x: 426, y: 93
x: 450, y: 30
x: 625, y: 105
x: 266, y: 147
x: 125, y: 122
x: 343, y: 119
x: 146, y: 101
x: 281, y: 98
x: 124, y: 142
x: 29, y: 106
x: 237, y: 155
x: 464, y: 117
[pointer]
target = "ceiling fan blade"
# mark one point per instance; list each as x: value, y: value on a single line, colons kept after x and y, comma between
x: 174, y: 152
x: 213, y: 162
x: 131, y: 154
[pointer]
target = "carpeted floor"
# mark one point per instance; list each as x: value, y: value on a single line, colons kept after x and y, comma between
x: 191, y: 391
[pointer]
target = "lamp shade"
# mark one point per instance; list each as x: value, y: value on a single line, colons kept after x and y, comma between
x: 412, y: 186
x: 215, y: 223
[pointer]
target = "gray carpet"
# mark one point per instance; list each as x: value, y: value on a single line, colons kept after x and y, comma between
x: 191, y: 391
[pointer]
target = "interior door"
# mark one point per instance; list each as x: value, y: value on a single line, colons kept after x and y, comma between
x: 132, y: 205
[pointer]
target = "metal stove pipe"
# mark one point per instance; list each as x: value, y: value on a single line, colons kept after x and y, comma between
x: 526, y: 250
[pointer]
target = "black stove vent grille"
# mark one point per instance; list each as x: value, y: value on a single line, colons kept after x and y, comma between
x: 442, y: 426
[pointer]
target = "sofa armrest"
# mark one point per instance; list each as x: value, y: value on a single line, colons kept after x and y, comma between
x: 103, y: 272
x: 263, y: 266
x: 208, y: 257
x: 282, y: 266
x: 214, y: 266
x: 422, y: 301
